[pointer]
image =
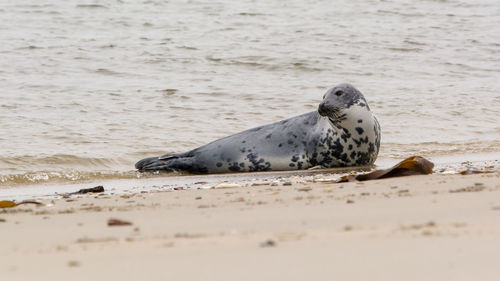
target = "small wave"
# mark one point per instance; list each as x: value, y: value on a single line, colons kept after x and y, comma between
x: 398, y: 13
x: 91, y: 6
x: 169, y: 92
x: 265, y: 63
x: 30, y: 47
x: 251, y: 14
x: 105, y: 71
x: 59, y: 162
x: 398, y: 150
x: 62, y: 177
x: 402, y: 49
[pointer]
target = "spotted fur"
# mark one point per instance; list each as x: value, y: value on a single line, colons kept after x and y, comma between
x: 342, y: 132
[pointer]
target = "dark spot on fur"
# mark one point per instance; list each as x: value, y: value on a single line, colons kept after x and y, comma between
x: 280, y: 145
x: 256, y: 163
x: 350, y: 147
x: 359, y: 130
x: 295, y: 158
x: 360, y: 121
x: 234, y: 167
x: 290, y: 141
x: 292, y: 165
x: 269, y: 136
x: 371, y: 148
x: 243, y: 141
x: 219, y: 164
x: 343, y: 157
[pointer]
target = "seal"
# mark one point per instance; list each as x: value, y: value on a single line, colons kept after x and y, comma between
x: 342, y: 132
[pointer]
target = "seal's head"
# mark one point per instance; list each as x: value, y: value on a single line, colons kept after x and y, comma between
x: 338, y: 100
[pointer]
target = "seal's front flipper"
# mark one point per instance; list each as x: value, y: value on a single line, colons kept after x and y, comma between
x: 318, y: 167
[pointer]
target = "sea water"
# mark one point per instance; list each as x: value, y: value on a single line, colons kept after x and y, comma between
x: 88, y: 88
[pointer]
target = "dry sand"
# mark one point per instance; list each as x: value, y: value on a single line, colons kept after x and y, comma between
x: 436, y: 227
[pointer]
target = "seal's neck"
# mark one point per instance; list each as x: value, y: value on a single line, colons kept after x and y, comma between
x: 356, y: 115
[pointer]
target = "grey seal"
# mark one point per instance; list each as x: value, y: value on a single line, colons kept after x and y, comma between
x: 342, y: 132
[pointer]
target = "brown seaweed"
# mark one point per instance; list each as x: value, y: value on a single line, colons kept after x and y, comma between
x: 11, y: 204
x: 118, y: 222
x: 96, y: 189
x: 411, y: 166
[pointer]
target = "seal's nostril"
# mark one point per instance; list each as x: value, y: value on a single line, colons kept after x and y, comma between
x: 322, y: 108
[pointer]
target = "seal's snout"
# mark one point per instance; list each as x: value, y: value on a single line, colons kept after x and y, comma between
x: 323, y: 109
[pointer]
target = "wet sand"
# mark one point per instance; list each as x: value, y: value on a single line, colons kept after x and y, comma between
x: 435, y: 227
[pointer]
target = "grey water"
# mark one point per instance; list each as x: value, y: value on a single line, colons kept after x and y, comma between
x: 88, y: 88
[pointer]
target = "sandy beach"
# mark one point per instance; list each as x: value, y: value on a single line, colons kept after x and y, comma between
x: 433, y: 227
x: 89, y: 88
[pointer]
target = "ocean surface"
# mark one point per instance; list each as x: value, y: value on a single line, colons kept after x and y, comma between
x: 87, y: 88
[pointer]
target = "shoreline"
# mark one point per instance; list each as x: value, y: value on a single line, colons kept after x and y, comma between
x: 449, y: 164
x: 430, y: 227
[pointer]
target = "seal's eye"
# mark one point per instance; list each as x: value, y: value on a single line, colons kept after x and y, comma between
x: 338, y: 93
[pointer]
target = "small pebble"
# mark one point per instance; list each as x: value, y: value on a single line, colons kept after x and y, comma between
x: 197, y: 198
x: 287, y: 183
x: 73, y: 263
x: 324, y: 180
x: 267, y: 244
x: 227, y: 185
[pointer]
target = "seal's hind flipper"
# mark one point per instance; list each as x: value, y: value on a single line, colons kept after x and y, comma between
x: 172, y: 156
x: 145, y: 162
x: 162, y: 163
